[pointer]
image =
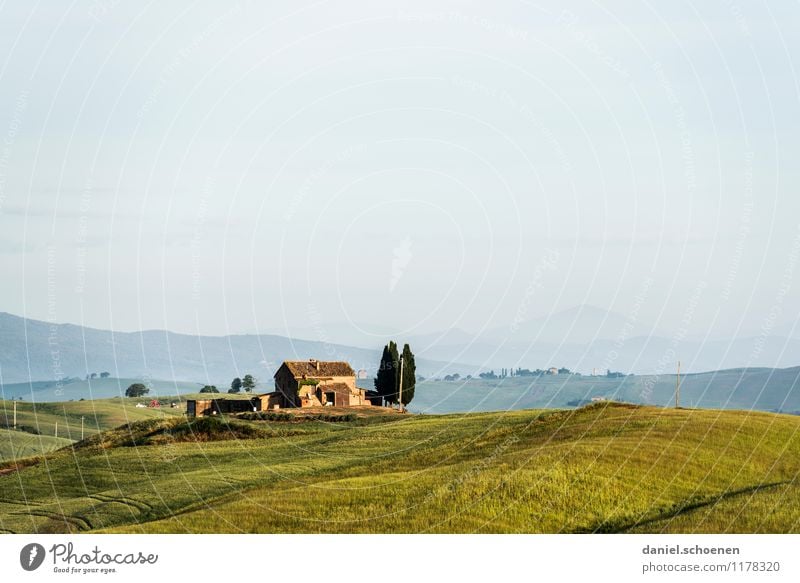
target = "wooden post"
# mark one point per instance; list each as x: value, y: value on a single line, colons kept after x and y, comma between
x: 56, y: 429
x: 400, y: 398
x: 15, y: 414
x: 678, y: 386
x: 81, y: 427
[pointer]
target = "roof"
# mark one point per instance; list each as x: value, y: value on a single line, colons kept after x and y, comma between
x: 329, y: 368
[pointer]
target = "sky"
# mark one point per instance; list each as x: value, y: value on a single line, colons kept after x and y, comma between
x: 228, y: 167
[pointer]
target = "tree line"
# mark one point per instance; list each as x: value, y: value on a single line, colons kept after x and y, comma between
x: 246, y: 384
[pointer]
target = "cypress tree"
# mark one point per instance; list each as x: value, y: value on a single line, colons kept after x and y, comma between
x: 409, y: 374
x: 388, y: 372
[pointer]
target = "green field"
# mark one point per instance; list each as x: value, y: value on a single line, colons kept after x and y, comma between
x: 37, y: 422
x: 605, y: 468
x: 21, y: 444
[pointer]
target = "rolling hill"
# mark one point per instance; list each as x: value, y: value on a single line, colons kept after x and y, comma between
x: 602, y: 468
x: 76, y: 389
x: 764, y: 389
x: 36, y: 422
x: 23, y: 444
x: 32, y: 350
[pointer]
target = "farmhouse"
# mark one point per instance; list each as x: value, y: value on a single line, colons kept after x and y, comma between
x: 315, y: 383
x: 298, y: 383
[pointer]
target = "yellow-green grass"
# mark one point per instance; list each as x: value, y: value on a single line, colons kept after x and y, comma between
x: 608, y: 468
x: 762, y: 510
x: 21, y: 444
x: 98, y: 415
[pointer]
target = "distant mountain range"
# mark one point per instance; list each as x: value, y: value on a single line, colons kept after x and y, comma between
x: 587, y: 339
x: 639, y: 354
x: 580, y: 324
x: 32, y: 350
x: 583, y: 338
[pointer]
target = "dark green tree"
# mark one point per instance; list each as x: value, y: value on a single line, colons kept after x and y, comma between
x: 236, y: 385
x: 386, y: 381
x: 248, y: 383
x: 209, y: 389
x: 136, y: 390
x: 105, y: 375
x: 409, y: 375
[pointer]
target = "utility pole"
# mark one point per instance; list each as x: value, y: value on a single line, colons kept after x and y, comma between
x: 400, y: 398
x: 678, y: 386
x: 15, y: 415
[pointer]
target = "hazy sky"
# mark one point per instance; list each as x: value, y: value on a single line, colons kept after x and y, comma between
x: 225, y: 167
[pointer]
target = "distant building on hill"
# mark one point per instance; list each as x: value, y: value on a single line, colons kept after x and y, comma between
x: 552, y: 370
x: 362, y: 373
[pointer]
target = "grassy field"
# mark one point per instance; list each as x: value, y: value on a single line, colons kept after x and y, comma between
x: 37, y: 422
x: 21, y: 444
x: 606, y: 468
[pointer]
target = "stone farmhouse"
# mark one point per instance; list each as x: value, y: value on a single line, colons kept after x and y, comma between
x: 298, y: 383
x: 317, y: 383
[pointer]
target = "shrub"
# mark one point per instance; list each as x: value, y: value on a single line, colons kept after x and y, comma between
x: 266, y: 416
x: 288, y: 417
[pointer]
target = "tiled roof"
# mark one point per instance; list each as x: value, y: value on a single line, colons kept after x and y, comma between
x: 319, y: 368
